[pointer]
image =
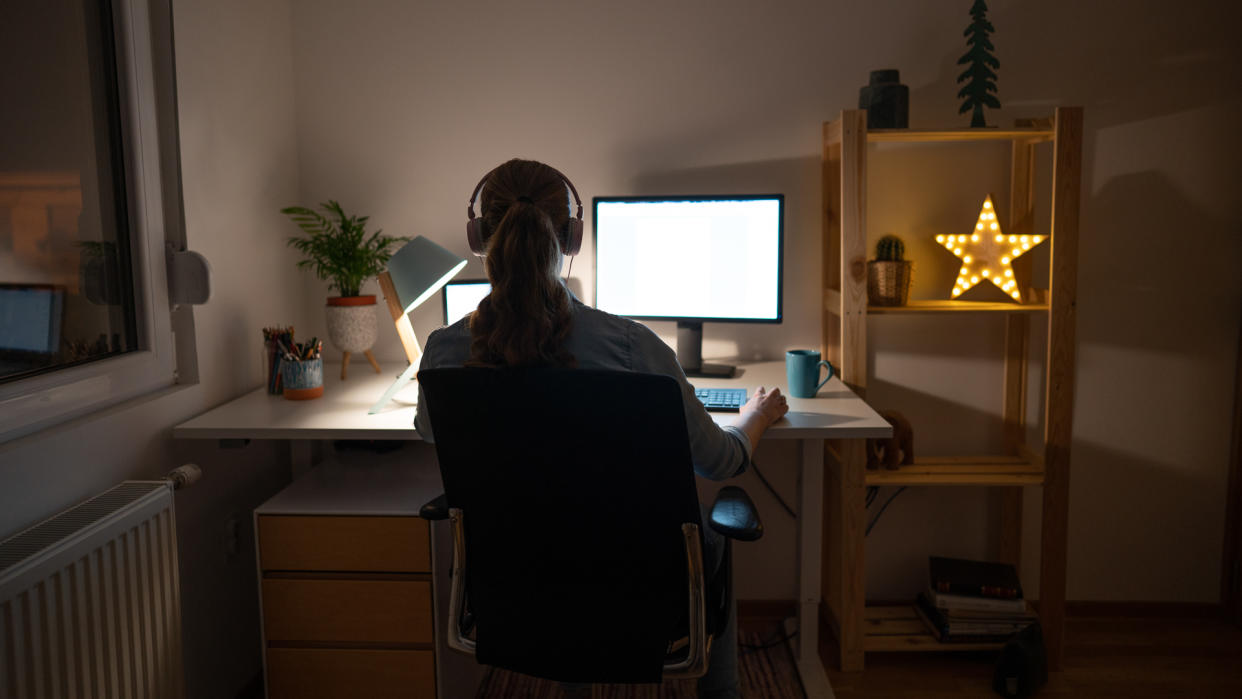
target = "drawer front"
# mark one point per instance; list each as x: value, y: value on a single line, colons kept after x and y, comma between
x: 335, y: 673
x: 361, y: 611
x: 330, y: 543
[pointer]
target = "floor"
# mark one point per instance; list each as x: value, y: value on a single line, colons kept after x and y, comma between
x: 1104, y: 657
x: 765, y: 669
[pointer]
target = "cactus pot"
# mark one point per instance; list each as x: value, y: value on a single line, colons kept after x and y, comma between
x: 888, y: 282
x: 351, y: 323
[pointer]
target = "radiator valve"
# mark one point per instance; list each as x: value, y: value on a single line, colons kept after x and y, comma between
x: 184, y: 476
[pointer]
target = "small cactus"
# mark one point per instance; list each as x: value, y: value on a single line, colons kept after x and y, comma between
x: 890, y: 249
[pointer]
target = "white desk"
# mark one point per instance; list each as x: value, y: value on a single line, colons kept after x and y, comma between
x: 340, y: 414
x: 836, y: 413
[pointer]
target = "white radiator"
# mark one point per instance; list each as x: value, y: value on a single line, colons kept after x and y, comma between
x: 89, y: 602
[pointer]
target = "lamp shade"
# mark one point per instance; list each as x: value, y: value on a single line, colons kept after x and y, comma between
x: 419, y: 269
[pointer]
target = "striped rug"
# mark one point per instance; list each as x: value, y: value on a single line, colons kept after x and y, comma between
x: 765, y: 669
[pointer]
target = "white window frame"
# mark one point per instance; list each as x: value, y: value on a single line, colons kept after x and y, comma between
x: 29, y: 405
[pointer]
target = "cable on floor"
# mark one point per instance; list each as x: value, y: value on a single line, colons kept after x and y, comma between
x: 779, y: 638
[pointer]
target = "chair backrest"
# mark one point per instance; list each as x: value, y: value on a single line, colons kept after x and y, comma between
x: 573, y: 485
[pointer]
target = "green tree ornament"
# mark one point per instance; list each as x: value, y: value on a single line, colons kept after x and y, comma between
x: 980, y: 64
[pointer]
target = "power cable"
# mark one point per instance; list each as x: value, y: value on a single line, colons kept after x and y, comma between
x: 780, y: 637
x: 884, y: 507
x: 755, y: 465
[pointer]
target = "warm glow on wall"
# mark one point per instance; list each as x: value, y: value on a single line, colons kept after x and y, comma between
x: 987, y: 257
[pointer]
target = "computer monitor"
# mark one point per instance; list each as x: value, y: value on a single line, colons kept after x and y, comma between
x: 462, y: 296
x: 690, y: 259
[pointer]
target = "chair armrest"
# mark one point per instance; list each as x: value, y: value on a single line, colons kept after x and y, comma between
x: 435, y: 509
x: 734, y: 515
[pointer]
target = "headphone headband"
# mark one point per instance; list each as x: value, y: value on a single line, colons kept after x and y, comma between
x: 474, y: 233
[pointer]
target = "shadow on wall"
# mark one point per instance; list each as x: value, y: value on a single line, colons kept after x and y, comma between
x: 246, y: 368
x: 799, y: 180
x: 1107, y: 55
x: 1154, y: 268
x: 1142, y: 555
x: 216, y: 551
x: 942, y: 427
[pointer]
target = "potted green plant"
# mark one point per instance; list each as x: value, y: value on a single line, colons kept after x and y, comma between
x: 339, y: 250
x: 888, y: 275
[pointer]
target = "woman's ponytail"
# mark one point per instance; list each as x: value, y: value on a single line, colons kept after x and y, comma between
x: 525, y: 320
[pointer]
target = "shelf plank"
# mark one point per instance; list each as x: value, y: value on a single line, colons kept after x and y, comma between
x: 900, y: 628
x: 971, y: 461
x: 942, y: 135
x: 954, y: 306
x: 960, y: 470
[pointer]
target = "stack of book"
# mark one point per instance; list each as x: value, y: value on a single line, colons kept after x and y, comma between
x: 973, y: 601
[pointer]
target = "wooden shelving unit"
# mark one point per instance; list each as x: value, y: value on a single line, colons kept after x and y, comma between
x: 861, y: 628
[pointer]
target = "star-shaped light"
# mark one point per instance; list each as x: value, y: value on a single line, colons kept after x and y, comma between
x: 986, y: 253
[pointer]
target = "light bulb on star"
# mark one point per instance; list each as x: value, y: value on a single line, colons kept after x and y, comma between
x: 988, y: 256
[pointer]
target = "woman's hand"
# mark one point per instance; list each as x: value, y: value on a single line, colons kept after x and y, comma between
x: 760, y: 412
x: 769, y: 406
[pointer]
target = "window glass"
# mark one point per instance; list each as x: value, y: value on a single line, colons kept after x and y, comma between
x: 66, y: 277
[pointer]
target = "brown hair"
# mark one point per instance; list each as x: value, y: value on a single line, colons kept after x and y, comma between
x: 525, y: 319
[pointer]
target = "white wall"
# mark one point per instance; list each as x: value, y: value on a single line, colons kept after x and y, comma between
x: 239, y: 165
x: 403, y: 106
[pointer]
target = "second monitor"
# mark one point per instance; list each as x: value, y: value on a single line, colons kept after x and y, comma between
x: 690, y: 259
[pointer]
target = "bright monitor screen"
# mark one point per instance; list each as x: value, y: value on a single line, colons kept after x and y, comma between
x: 695, y: 258
x: 462, y: 297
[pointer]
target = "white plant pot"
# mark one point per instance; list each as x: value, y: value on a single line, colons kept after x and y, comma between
x: 351, y: 323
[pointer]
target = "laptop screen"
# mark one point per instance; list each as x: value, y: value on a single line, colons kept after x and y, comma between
x: 462, y: 297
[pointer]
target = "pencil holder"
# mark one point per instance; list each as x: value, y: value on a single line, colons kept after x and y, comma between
x: 302, y: 380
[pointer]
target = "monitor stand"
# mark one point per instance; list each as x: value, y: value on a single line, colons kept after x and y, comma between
x: 690, y: 353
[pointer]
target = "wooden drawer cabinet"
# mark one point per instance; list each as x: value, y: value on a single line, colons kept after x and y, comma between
x: 346, y: 586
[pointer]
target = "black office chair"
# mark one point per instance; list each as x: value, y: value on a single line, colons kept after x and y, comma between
x: 577, y: 550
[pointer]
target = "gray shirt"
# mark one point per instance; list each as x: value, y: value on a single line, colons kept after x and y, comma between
x: 600, y: 340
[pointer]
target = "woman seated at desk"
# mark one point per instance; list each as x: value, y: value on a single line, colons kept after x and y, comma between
x: 525, y: 231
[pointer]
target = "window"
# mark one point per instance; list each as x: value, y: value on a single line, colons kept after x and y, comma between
x: 84, y: 314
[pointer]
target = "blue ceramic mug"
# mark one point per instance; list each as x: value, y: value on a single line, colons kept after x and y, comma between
x: 802, y: 373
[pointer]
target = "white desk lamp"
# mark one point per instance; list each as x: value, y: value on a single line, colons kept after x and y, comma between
x: 415, y: 272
